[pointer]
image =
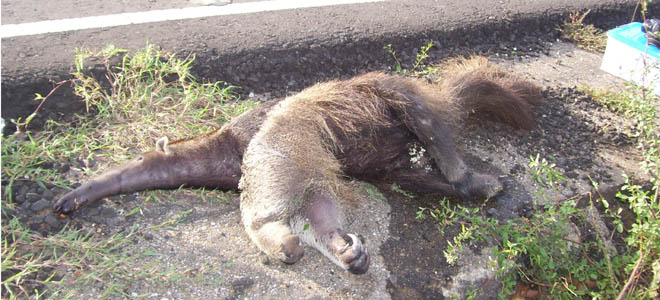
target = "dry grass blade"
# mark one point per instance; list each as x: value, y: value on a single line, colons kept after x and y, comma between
x: 586, y: 36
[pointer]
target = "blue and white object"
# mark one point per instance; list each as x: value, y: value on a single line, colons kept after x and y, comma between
x: 629, y: 56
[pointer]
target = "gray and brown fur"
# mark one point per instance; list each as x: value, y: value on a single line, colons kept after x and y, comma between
x: 295, y: 164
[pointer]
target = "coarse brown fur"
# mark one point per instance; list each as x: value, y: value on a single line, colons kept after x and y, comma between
x: 311, y: 141
x: 295, y: 164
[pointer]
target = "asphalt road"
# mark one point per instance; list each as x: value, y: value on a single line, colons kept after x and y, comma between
x: 279, y: 51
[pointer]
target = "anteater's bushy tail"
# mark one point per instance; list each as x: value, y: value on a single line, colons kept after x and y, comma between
x: 481, y: 89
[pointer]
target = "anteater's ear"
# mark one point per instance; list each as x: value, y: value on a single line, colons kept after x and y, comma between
x: 161, y: 145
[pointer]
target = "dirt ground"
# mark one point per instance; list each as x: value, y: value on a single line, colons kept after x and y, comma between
x: 584, y: 140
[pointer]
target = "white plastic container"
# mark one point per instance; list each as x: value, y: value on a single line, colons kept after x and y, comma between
x: 630, y: 57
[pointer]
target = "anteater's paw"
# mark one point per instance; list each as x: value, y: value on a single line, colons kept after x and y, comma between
x: 67, y: 203
x: 354, y: 255
x: 480, y: 186
x: 292, y: 249
x: 486, y: 186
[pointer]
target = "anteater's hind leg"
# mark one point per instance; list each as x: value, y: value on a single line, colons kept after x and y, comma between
x: 319, y: 225
x: 437, y: 137
x: 274, y: 237
x: 421, y: 181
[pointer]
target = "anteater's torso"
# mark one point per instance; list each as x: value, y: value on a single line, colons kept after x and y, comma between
x: 377, y: 152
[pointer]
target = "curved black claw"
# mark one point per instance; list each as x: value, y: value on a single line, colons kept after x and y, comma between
x: 354, y: 256
x: 68, y: 203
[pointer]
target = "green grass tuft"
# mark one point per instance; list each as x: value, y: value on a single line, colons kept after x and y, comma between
x: 586, y: 36
x: 142, y: 96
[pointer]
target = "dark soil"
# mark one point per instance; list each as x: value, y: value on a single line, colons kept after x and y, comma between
x: 569, y: 135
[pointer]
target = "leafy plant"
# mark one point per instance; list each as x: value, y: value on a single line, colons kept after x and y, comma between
x: 586, y: 36
x: 373, y: 192
x: 397, y: 189
x: 142, y: 95
x: 544, y: 172
x: 419, y: 61
x: 548, y: 249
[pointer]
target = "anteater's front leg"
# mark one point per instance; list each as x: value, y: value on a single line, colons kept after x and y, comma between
x: 437, y: 137
x: 212, y: 161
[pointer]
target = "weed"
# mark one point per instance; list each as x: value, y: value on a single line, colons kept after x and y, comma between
x: 586, y: 37
x: 147, y: 93
x: 548, y: 251
x: 417, y: 65
x: 374, y: 193
x: 545, y: 174
x: 397, y: 189
x: 643, y: 238
x: 46, y: 266
x: 444, y: 215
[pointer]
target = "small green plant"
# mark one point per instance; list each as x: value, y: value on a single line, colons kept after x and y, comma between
x: 643, y: 237
x: 545, y: 175
x: 46, y: 266
x: 444, y: 215
x: 374, y: 193
x: 585, y: 36
x: 397, y: 189
x: 547, y: 249
x: 147, y: 93
x: 544, y: 172
x: 417, y: 65
x: 454, y: 248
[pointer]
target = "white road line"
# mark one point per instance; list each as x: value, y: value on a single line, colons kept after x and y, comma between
x: 12, y: 30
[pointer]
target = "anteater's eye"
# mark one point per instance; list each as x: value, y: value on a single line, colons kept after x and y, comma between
x: 140, y: 158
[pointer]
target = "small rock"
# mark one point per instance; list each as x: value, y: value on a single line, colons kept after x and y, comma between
x: 94, y: 211
x: 112, y: 222
x: 47, y: 194
x: 562, y: 161
x: 25, y: 205
x: 108, y: 212
x: 129, y: 197
x: 8, y: 213
x: 40, y: 205
x: 20, y: 198
x: 32, y: 197
x: 22, y: 189
x: 52, y: 221
x: 63, y: 168
x: 609, y: 225
x: 492, y: 211
x: 148, y: 236
x: 241, y: 284
x: 35, y: 226
x: 426, y: 237
x: 96, y: 219
x: 90, y: 163
x: 46, y: 165
x: 36, y: 220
